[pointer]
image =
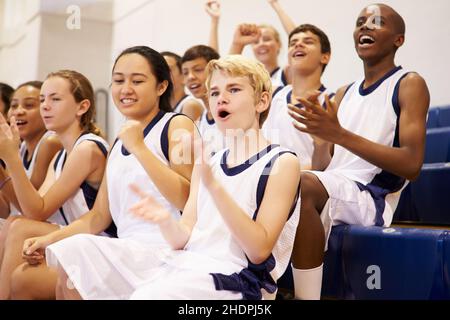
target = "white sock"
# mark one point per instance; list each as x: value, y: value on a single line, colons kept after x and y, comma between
x: 308, y: 283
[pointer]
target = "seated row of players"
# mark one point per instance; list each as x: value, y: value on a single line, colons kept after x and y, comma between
x: 363, y: 145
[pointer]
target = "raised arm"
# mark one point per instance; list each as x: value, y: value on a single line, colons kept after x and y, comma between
x: 285, y: 19
x: 212, y: 7
x: 245, y: 34
x: 54, y: 192
x: 46, y: 153
x: 40, y: 206
x: 406, y: 160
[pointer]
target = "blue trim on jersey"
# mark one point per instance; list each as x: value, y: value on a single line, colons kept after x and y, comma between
x: 165, y: 137
x: 210, y: 122
x: 89, y: 193
x: 55, y: 164
x: 101, y: 146
x: 289, y: 97
x: 114, y: 144
x: 383, y: 184
x: 147, y: 129
x: 396, y: 105
x: 244, y: 166
x: 283, y: 78
x: 274, y: 71
x: 299, y: 105
x: 346, y: 90
x: 289, y: 100
x: 25, y: 162
x: 278, y: 89
x: 61, y: 211
x: 249, y: 281
x: 262, y: 183
x: 373, y: 87
x: 178, y: 103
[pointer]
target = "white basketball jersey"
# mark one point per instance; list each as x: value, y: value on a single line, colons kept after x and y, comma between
x: 123, y: 169
x: 29, y: 165
x: 278, y: 127
x: 212, y: 238
x: 278, y: 78
x: 210, y: 133
x: 372, y: 113
x: 83, y: 199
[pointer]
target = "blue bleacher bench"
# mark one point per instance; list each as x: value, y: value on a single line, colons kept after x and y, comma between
x: 375, y: 263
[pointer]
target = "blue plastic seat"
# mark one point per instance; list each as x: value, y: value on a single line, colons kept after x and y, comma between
x: 437, y: 145
x: 432, y: 121
x: 408, y: 263
x: 444, y: 117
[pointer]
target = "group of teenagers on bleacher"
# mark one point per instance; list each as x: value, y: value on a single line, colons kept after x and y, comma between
x: 211, y: 194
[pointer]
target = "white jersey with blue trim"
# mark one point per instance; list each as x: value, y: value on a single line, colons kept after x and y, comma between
x: 278, y: 127
x: 180, y: 104
x: 83, y: 199
x: 210, y: 133
x: 212, y: 247
x: 124, y: 168
x: 278, y: 78
x: 29, y: 165
x: 371, y: 113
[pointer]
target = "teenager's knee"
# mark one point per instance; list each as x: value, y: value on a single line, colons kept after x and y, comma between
x: 7, y: 225
x: 18, y: 229
x: 313, y: 193
x: 20, y: 226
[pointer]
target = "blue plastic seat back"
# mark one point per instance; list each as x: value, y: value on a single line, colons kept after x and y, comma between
x: 444, y: 117
x: 431, y: 194
x: 437, y: 145
x: 432, y: 120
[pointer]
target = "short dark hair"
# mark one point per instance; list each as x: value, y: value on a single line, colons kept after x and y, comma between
x: 173, y: 55
x: 159, y: 68
x: 6, y: 92
x: 200, y: 51
x: 325, y: 46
